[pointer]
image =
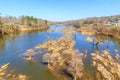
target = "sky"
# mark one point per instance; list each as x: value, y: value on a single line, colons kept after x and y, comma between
x: 60, y: 10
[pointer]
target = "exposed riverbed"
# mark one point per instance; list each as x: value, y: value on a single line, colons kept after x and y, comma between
x: 12, y: 47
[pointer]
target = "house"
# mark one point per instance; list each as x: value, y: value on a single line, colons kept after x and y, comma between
x: 107, y: 23
x: 117, y: 23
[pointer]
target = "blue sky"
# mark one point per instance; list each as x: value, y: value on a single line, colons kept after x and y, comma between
x: 60, y: 10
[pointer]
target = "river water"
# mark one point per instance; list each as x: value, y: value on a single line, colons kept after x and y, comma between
x: 13, y: 45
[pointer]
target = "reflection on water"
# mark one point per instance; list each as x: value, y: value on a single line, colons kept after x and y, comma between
x: 12, y: 45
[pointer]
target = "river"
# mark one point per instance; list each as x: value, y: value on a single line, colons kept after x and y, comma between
x: 15, y: 44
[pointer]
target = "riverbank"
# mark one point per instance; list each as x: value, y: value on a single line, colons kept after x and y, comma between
x: 107, y: 31
x: 23, y: 30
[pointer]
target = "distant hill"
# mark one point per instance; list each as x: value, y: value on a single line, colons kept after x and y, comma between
x: 95, y: 21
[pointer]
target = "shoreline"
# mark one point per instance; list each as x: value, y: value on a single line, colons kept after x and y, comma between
x: 90, y: 32
x: 24, y: 29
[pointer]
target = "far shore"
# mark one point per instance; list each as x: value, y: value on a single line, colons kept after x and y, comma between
x: 25, y: 29
x: 90, y: 32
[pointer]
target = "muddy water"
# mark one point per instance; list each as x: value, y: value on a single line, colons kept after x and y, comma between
x: 13, y: 45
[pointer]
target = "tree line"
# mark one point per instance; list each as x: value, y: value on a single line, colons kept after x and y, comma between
x: 94, y: 21
x: 107, y: 25
x: 10, y: 23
